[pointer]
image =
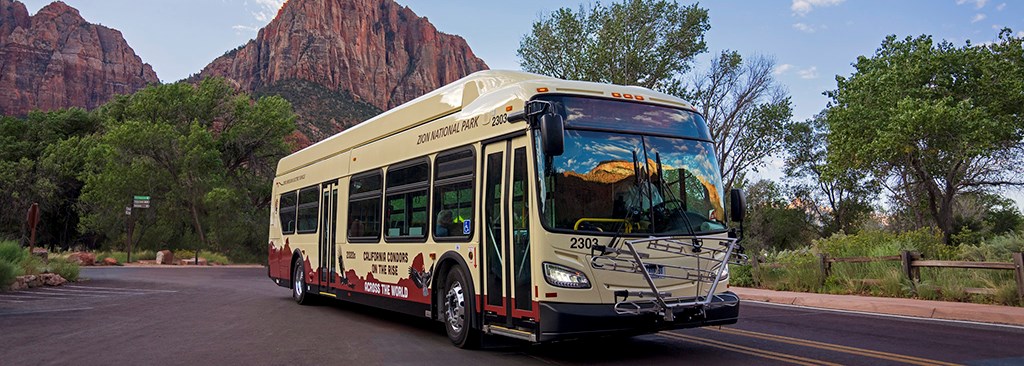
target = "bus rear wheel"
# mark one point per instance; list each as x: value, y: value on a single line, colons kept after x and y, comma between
x: 299, y: 293
x: 457, y: 306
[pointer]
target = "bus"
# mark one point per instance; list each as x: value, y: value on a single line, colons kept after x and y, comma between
x: 514, y: 204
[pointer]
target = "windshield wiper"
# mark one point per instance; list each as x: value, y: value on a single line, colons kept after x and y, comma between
x: 671, y: 196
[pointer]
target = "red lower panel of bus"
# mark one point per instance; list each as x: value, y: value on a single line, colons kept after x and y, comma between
x: 280, y: 261
x: 406, y: 289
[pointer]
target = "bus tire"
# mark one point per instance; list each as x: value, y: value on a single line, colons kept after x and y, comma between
x: 299, y: 293
x: 457, y: 304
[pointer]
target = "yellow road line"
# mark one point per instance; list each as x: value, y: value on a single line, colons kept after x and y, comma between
x: 797, y: 360
x: 835, y: 347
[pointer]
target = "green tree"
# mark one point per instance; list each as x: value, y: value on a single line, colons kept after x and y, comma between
x: 773, y: 223
x: 746, y: 110
x: 933, y: 120
x: 650, y: 43
x: 28, y: 177
x: 836, y: 200
x: 205, y: 154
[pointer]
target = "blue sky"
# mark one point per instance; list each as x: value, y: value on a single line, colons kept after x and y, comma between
x: 812, y: 41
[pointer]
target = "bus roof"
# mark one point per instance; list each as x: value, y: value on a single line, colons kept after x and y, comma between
x: 446, y: 100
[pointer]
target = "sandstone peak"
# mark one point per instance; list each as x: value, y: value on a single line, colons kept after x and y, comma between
x: 376, y: 52
x: 56, y: 59
x: 59, y: 8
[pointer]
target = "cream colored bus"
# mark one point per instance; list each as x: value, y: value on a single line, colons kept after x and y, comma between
x: 515, y: 204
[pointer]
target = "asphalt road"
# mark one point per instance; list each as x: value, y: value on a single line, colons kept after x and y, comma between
x: 213, y: 316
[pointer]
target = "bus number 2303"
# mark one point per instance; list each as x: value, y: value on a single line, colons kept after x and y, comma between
x: 582, y: 243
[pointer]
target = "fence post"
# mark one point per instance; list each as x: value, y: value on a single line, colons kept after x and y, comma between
x: 1018, y: 272
x: 825, y: 266
x: 908, y: 269
x: 754, y: 271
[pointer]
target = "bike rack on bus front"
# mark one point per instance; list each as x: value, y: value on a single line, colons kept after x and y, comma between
x: 629, y: 260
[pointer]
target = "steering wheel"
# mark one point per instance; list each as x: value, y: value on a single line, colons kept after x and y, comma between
x: 662, y: 207
x: 664, y: 217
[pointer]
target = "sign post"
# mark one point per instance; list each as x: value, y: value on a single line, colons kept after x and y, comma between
x: 137, y: 202
x: 32, y: 218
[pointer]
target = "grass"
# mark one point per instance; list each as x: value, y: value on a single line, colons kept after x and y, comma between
x: 12, y: 252
x: 800, y: 270
x: 65, y: 269
x: 122, y: 257
x: 15, y: 261
x: 8, y: 273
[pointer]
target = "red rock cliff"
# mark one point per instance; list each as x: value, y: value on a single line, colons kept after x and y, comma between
x: 380, y: 52
x: 55, y: 59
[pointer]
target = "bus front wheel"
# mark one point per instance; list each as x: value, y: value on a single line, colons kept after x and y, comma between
x: 299, y: 292
x: 457, y: 309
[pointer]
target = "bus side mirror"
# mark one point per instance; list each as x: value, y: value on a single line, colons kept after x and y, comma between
x: 552, y: 133
x: 737, y: 205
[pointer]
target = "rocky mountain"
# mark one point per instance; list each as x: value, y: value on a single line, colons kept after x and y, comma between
x: 55, y: 59
x: 342, y: 61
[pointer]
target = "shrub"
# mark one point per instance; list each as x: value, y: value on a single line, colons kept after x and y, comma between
x: 8, y: 273
x: 212, y: 257
x: 791, y: 270
x: 64, y: 268
x: 997, y: 249
x: 32, y: 265
x: 741, y: 275
x: 11, y: 252
x: 144, y: 255
x: 121, y: 257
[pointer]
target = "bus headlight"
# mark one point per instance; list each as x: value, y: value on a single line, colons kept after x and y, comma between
x: 725, y: 273
x: 562, y: 276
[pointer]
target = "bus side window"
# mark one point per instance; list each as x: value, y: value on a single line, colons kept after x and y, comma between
x: 406, y: 195
x: 286, y: 208
x: 364, y: 207
x: 309, y: 204
x: 453, y: 194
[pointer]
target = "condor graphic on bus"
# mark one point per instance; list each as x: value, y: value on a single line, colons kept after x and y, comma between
x: 515, y: 204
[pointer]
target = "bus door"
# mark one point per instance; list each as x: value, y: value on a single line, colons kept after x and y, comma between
x: 507, y: 292
x: 328, y: 235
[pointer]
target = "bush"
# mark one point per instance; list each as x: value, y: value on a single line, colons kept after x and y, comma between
x: 11, y: 252
x: 790, y: 270
x: 741, y: 275
x: 64, y: 268
x: 8, y: 273
x: 121, y: 257
x: 997, y: 249
x: 212, y: 257
x: 32, y: 265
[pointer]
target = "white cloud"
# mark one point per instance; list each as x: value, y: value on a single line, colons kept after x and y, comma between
x: 802, y: 7
x: 978, y: 17
x: 811, y: 73
x: 1020, y: 34
x: 244, y: 28
x: 1001, y: 7
x: 804, y: 27
x: 782, y: 69
x: 268, y: 9
x: 978, y: 4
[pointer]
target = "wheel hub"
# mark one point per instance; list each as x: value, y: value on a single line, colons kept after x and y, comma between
x: 455, y: 311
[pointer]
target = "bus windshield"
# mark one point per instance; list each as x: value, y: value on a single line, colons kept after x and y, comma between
x: 631, y: 183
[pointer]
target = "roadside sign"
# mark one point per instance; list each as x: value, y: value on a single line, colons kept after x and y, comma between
x: 128, y: 210
x: 140, y: 202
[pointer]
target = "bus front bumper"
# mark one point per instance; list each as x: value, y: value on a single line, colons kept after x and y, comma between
x: 561, y: 321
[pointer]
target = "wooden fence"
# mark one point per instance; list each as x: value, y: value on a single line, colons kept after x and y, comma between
x: 913, y: 262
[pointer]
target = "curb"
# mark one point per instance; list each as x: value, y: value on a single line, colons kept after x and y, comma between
x: 928, y: 309
x: 166, y: 266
